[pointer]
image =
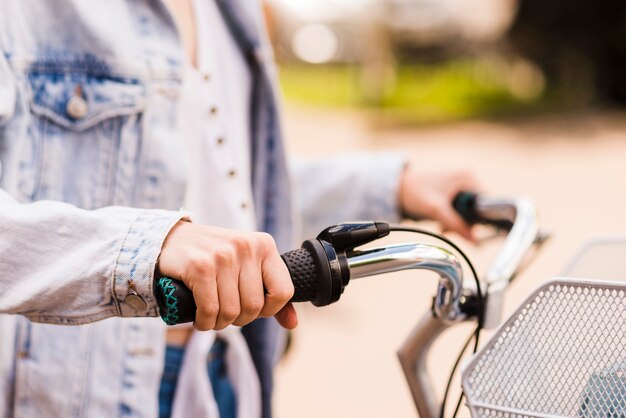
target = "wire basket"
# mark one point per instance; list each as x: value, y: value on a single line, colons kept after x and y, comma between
x: 561, y: 354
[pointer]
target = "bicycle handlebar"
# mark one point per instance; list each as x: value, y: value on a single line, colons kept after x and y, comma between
x: 321, y: 269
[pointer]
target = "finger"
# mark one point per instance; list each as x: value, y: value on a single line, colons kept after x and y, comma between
x: 227, y: 291
x: 278, y: 284
x: 287, y: 317
x: 251, y: 293
x: 452, y: 221
x: 202, y: 283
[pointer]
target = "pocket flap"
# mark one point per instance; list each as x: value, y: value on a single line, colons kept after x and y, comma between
x: 79, y: 101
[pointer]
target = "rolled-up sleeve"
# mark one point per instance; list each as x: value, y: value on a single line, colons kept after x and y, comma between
x: 64, y: 265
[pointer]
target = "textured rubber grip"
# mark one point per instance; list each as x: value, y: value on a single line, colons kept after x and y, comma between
x: 304, y: 274
x: 177, y: 305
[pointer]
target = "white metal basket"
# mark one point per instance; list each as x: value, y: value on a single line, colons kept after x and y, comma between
x: 561, y: 354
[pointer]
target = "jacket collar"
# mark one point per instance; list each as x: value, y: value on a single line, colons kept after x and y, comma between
x: 239, y: 18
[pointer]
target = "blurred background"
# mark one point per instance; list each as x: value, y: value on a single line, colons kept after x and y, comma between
x: 527, y: 94
x: 421, y: 61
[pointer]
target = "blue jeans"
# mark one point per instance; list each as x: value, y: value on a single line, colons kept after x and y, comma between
x: 216, y: 368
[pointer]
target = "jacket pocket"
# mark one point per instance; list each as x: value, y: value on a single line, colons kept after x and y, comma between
x: 78, y: 102
x: 79, y: 123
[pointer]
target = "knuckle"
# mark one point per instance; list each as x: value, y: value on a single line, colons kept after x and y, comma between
x: 229, y: 314
x: 209, y: 310
x: 265, y: 241
x: 241, y: 242
x: 202, y: 266
x: 224, y: 256
x: 252, y: 307
x: 285, y: 292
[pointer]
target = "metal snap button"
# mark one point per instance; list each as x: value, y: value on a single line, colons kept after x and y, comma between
x: 136, y: 302
x: 76, y: 107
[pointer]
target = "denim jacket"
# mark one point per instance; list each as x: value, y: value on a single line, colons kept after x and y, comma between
x: 92, y: 180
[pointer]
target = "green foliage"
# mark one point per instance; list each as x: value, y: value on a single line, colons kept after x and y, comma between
x: 321, y: 85
x: 423, y: 93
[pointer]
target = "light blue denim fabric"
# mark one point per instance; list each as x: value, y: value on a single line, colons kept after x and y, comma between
x: 87, y: 196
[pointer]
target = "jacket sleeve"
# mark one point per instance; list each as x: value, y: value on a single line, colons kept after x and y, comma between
x: 64, y: 265
x: 351, y: 187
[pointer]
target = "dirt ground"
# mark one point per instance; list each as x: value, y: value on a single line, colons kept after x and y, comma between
x: 343, y: 361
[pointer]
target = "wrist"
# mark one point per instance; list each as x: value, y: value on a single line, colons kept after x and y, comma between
x: 170, y: 240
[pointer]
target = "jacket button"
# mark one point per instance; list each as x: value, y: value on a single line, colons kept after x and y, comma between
x: 136, y: 302
x: 76, y: 107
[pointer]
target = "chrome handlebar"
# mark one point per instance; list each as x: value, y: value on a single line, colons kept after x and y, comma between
x: 523, y: 234
x: 416, y: 256
x: 520, y: 239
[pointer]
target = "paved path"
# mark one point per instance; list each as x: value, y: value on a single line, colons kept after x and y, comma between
x: 343, y: 360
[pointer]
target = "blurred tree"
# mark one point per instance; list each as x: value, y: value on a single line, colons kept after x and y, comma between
x: 579, y: 44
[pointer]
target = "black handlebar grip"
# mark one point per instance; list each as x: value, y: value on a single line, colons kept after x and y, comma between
x: 307, y: 266
x: 175, y: 301
x: 304, y: 273
x: 465, y: 204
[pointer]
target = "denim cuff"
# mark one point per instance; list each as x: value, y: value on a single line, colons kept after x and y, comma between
x: 134, y: 269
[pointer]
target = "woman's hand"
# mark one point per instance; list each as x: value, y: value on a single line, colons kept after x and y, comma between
x: 235, y: 276
x: 429, y: 195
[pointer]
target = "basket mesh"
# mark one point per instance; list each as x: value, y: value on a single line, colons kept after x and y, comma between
x: 563, y: 353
